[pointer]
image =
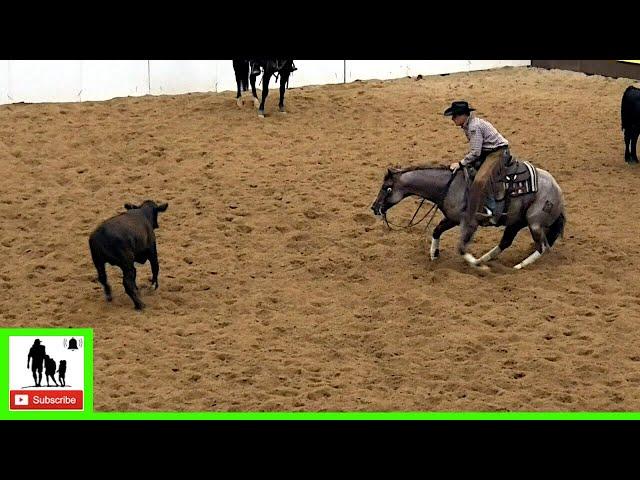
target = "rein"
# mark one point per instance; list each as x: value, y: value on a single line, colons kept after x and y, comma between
x: 433, y: 208
x: 411, y: 224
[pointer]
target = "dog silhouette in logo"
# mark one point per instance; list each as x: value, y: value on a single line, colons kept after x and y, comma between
x: 50, y: 369
x: 62, y: 370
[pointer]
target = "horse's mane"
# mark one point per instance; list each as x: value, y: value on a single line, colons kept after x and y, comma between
x: 395, y: 170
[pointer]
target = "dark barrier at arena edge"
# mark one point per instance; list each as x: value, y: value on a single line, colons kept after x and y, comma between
x: 607, y: 68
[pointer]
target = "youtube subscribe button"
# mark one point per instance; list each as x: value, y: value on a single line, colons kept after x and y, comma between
x: 46, y: 400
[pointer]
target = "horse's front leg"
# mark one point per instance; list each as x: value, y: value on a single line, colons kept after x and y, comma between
x: 239, y: 94
x: 252, y: 80
x: 444, y: 225
x: 239, y: 70
x: 468, y: 229
x: 266, y: 76
x: 539, y: 237
x: 284, y: 78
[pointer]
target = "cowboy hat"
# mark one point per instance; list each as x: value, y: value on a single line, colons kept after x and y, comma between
x: 458, y: 108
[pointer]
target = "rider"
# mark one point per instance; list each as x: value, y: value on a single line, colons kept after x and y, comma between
x: 489, y: 155
x: 255, y: 66
x: 257, y: 63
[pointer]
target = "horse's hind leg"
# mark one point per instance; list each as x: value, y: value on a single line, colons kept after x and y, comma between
x: 507, y: 239
x: 539, y: 237
x: 444, y: 225
x: 284, y: 78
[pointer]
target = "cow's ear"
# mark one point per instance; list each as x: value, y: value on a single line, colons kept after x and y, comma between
x: 162, y: 207
x: 130, y: 206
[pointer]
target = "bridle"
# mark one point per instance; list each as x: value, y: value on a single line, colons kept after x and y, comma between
x: 434, y: 208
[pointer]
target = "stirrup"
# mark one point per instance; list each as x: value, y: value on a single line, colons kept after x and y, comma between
x: 486, y: 214
x: 489, y: 215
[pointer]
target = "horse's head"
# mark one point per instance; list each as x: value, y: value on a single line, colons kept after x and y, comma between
x: 391, y: 192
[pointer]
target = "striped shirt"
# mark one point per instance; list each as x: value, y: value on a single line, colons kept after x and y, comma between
x: 482, y: 136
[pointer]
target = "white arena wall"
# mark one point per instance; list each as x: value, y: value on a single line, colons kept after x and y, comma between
x: 34, y: 81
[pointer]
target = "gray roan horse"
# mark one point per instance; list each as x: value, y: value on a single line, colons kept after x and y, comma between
x: 542, y: 210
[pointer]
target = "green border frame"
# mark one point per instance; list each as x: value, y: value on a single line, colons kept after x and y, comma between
x: 89, y: 414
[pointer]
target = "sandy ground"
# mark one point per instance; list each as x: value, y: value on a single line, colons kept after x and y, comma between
x: 279, y: 290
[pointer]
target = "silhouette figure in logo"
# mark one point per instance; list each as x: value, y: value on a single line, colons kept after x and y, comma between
x: 62, y: 370
x: 50, y: 369
x: 36, y: 358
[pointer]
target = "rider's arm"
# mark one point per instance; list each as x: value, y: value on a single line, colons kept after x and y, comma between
x: 475, y: 144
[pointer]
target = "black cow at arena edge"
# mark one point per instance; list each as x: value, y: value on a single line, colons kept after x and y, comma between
x: 630, y: 114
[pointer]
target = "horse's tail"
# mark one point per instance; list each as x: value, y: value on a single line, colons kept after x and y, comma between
x: 556, y: 229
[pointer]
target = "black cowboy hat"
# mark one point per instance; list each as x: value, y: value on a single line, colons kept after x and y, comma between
x: 458, y: 108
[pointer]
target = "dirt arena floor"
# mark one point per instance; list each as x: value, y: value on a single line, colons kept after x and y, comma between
x: 279, y: 289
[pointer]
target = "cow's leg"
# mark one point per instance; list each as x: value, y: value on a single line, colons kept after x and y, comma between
x: 99, y: 263
x: 537, y: 232
x: 284, y: 78
x: 155, y: 267
x: 634, y: 145
x: 444, y: 225
x: 507, y: 239
x: 102, y: 278
x: 252, y: 80
x: 627, y: 145
x: 265, y: 91
x: 129, y: 282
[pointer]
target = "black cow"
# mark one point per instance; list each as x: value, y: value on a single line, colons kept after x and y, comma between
x: 630, y: 113
x: 125, y: 239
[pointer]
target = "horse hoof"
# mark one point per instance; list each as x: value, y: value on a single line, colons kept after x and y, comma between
x: 471, y: 260
x: 261, y: 114
x: 282, y: 110
x: 518, y: 267
x: 435, y: 255
x: 239, y: 102
x: 256, y: 103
